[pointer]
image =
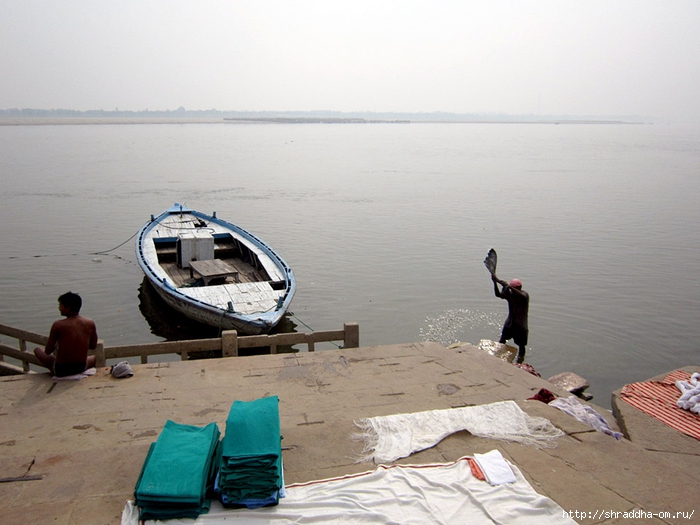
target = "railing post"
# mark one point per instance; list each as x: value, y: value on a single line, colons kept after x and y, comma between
x: 229, y: 343
x: 352, y: 335
x: 100, y: 360
x: 23, y: 349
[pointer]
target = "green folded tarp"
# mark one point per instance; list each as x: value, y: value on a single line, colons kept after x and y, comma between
x: 178, y: 472
x: 251, y: 452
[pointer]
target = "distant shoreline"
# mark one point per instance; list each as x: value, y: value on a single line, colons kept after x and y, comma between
x: 62, y: 121
x: 321, y: 120
x: 58, y: 121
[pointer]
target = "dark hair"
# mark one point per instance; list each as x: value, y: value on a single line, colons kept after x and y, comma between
x: 72, y: 301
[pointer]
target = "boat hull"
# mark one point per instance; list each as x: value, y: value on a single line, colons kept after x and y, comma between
x: 212, y: 316
x: 251, y: 296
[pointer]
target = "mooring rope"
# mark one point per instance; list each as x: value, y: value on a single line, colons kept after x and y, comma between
x: 119, y: 246
x: 75, y: 254
x: 292, y: 314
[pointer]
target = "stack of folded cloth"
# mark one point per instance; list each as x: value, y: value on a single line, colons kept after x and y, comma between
x: 250, y: 471
x: 176, y: 480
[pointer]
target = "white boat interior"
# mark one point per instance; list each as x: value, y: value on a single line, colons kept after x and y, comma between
x: 209, y: 262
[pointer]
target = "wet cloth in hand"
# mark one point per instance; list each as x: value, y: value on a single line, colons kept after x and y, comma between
x: 178, y: 472
x: 250, y: 471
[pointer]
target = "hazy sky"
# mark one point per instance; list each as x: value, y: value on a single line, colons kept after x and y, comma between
x: 587, y: 57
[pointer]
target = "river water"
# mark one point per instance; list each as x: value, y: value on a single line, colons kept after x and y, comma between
x: 386, y: 225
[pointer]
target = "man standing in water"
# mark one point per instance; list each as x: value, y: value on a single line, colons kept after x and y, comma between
x: 515, y: 327
x: 70, y: 339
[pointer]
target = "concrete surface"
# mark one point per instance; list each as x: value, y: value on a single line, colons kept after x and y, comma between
x: 87, y: 440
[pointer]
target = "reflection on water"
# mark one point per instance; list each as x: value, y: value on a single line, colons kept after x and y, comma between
x: 450, y: 326
x: 167, y: 323
x: 172, y: 325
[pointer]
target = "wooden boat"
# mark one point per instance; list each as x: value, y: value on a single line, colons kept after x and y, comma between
x: 213, y: 271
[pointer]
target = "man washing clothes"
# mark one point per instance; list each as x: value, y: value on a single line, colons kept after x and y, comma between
x: 515, y: 327
x: 70, y: 339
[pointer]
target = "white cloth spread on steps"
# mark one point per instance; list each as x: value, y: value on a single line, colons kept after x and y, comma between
x: 442, y: 494
x: 388, y: 438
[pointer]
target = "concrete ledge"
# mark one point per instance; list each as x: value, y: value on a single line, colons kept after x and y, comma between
x: 88, y: 439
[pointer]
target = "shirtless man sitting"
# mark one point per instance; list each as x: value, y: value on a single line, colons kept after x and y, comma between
x: 66, y: 351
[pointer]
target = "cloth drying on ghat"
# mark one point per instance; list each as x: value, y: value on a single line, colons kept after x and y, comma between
x: 658, y: 399
x: 250, y: 472
x: 494, y: 468
x: 178, y: 471
x: 388, y: 438
x: 440, y: 494
x: 690, y: 393
x: 585, y: 414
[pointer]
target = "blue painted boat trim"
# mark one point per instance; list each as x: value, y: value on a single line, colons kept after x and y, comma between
x: 254, y: 323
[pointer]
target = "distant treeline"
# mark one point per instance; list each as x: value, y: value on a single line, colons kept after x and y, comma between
x: 314, y: 120
x: 101, y: 113
x: 310, y: 116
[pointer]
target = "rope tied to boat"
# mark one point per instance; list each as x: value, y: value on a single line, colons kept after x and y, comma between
x: 292, y: 314
x: 105, y: 252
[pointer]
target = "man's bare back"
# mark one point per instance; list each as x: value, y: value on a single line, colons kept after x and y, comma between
x: 70, y: 340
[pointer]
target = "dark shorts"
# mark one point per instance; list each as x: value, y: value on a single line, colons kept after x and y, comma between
x: 68, y: 369
x: 516, y: 333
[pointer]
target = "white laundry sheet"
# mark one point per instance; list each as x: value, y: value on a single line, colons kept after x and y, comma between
x: 388, y: 438
x: 395, y: 494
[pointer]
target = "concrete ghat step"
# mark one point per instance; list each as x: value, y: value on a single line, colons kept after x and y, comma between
x: 88, y: 439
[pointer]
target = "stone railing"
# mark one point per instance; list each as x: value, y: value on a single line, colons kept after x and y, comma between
x: 228, y: 344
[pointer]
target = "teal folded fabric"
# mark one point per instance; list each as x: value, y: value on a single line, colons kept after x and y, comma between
x: 178, y: 472
x: 252, y: 429
x: 250, y: 469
